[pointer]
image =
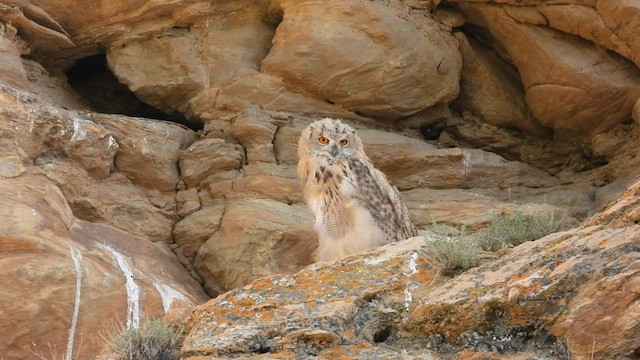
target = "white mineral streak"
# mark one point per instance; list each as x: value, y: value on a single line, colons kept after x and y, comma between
x: 168, y: 294
x: 413, y: 268
x: 133, y: 290
x: 76, y: 255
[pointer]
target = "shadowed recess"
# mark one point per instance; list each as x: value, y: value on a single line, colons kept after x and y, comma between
x: 91, y: 78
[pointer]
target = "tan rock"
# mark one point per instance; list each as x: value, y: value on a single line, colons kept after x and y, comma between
x: 636, y: 112
x: 573, y: 296
x: 164, y: 71
x: 266, y: 91
x: 571, y: 86
x: 194, y: 230
x: 12, y: 71
x: 96, y: 274
x: 279, y: 183
x: 256, y: 238
x: 255, y: 131
x: 187, y: 201
x: 490, y: 90
x: 392, y: 67
x: 315, y: 312
x: 207, y: 157
x: 148, y: 149
x: 609, y: 24
x: 445, y: 168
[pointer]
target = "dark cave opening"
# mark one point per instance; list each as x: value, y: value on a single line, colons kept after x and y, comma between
x: 92, y: 79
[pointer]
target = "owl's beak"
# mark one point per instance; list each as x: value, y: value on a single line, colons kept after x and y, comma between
x: 334, y: 151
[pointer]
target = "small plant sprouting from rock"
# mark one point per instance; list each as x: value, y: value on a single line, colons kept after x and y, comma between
x: 512, y: 230
x: 152, y: 340
x: 456, y: 251
x: 451, y: 248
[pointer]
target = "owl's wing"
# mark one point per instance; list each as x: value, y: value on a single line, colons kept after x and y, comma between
x: 382, y: 200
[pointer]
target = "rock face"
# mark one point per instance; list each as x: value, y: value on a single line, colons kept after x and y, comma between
x: 578, y: 285
x: 469, y: 107
x: 84, y: 238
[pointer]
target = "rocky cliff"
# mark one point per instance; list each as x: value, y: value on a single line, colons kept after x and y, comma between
x: 147, y: 162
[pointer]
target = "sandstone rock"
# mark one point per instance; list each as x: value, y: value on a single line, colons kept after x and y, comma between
x: 320, y: 311
x: 255, y: 132
x: 279, y: 183
x: 445, y: 168
x: 194, y: 230
x: 164, y: 71
x: 256, y: 238
x: 187, y: 201
x: 94, y: 274
x: 566, y: 289
x: 148, y: 149
x: 42, y: 31
x: 571, y: 86
x: 609, y: 24
x: 207, y: 157
x: 488, y: 89
x: 12, y: 72
x: 263, y: 90
x: 570, y: 285
x: 419, y: 64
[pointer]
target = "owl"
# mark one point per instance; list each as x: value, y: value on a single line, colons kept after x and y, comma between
x: 354, y: 205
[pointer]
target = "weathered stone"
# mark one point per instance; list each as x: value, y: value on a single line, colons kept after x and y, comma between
x: 611, y: 25
x: 355, y: 301
x: 256, y: 238
x: 566, y: 289
x: 392, y: 67
x: 279, y: 183
x: 266, y: 91
x: 171, y: 72
x: 491, y: 91
x: 148, y: 149
x: 97, y: 274
x: 571, y: 86
x: 255, y: 131
x: 207, y: 157
x: 445, y: 168
x: 187, y: 201
x: 194, y: 230
x: 11, y: 70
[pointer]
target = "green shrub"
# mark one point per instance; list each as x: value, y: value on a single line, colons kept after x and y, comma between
x: 512, y: 230
x: 452, y: 249
x: 455, y: 251
x: 152, y: 340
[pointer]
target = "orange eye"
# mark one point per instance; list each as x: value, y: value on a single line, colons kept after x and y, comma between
x: 323, y: 140
x: 344, y: 142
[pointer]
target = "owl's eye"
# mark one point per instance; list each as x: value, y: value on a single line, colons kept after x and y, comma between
x: 323, y: 140
x: 344, y: 142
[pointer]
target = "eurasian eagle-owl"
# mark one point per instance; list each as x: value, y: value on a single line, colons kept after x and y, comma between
x: 354, y: 205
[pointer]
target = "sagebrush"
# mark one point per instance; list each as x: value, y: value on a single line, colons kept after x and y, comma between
x: 153, y: 340
x: 456, y: 251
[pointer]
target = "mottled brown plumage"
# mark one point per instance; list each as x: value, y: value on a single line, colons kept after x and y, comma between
x: 354, y: 205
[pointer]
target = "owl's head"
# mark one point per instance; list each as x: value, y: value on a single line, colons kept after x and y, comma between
x: 329, y: 139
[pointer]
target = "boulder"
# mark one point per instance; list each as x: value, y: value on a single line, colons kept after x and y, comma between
x: 611, y: 25
x: 491, y: 90
x: 546, y: 298
x: 170, y: 74
x: 339, y: 309
x: 575, y: 285
x: 392, y: 67
x: 571, y: 86
x: 256, y: 238
x: 207, y: 157
x: 99, y: 276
